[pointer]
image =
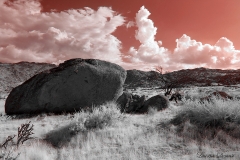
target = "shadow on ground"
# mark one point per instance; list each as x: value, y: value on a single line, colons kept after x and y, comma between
x: 62, y: 136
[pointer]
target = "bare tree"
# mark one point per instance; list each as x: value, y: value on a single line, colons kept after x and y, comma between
x: 159, y: 69
x: 169, y: 82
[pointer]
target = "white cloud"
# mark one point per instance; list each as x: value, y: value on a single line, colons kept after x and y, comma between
x: 190, y: 52
x: 27, y: 34
x: 130, y: 24
x: 150, y: 51
x: 187, y: 54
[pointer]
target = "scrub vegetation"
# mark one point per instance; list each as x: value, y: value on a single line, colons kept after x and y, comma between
x: 189, y: 129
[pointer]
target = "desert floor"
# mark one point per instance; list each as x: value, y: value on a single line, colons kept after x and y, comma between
x: 130, y: 137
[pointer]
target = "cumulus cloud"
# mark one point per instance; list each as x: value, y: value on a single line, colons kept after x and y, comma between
x: 150, y: 53
x: 27, y: 34
x: 189, y: 52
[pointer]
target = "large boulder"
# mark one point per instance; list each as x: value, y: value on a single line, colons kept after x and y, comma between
x: 129, y: 103
x: 72, y: 86
x: 158, y: 102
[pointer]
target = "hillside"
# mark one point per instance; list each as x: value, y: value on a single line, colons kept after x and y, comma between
x: 12, y: 75
x: 137, y: 78
x: 184, y: 78
x: 184, y: 130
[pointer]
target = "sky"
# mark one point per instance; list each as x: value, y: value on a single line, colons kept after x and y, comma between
x: 136, y: 34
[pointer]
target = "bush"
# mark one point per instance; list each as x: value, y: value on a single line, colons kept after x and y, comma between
x: 102, y: 116
x: 218, y: 114
x: 94, y: 118
x: 24, y: 133
x: 97, y: 117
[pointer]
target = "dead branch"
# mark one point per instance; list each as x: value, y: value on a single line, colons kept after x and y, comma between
x: 169, y: 82
x: 24, y: 133
x: 10, y: 138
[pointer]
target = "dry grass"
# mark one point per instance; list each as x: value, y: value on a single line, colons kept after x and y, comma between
x: 105, y: 133
x: 219, y: 114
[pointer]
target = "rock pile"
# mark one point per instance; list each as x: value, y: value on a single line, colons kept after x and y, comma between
x: 130, y: 103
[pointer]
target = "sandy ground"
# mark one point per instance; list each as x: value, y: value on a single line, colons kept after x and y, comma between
x: 2, y: 103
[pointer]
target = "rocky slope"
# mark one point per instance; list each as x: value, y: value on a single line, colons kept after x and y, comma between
x: 206, y: 77
x: 137, y: 78
x: 12, y: 75
x: 184, y: 78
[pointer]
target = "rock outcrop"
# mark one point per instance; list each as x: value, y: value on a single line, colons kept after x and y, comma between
x: 130, y: 103
x: 124, y: 101
x: 158, y: 102
x: 72, y: 86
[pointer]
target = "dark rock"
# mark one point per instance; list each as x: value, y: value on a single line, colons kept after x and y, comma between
x: 158, y: 102
x: 129, y: 103
x: 74, y: 85
x: 124, y: 101
x: 137, y: 102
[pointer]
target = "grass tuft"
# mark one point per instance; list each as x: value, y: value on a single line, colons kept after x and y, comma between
x: 100, y: 117
x: 96, y: 118
x: 216, y: 115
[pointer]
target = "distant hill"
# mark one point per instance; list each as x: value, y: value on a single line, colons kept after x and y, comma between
x: 184, y: 78
x: 12, y: 75
x: 137, y: 78
x: 206, y: 77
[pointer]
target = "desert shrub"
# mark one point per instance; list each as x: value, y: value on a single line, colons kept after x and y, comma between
x: 219, y: 114
x: 61, y: 136
x: 9, y: 155
x: 24, y: 134
x: 100, y: 117
x: 97, y: 117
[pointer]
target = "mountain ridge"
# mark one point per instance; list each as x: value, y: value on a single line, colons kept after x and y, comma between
x: 185, y: 77
x: 13, y: 74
